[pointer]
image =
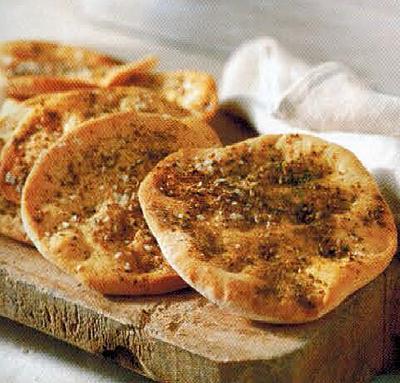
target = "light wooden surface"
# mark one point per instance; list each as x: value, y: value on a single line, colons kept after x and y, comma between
x: 181, y: 337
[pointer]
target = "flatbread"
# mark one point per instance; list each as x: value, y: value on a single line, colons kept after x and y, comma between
x: 12, y: 114
x: 61, y: 112
x: 29, y: 68
x: 80, y: 207
x: 278, y: 228
x: 193, y: 90
x: 32, y: 126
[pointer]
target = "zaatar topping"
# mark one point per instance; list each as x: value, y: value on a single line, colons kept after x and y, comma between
x: 256, y: 194
x: 118, y: 222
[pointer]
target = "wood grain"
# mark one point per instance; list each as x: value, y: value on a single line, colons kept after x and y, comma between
x: 182, y: 337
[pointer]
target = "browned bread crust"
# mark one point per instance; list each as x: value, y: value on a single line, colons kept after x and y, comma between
x: 52, y: 115
x: 10, y: 221
x: 120, y: 75
x: 33, y: 67
x: 193, y: 90
x: 12, y: 114
x: 80, y: 207
x: 279, y: 228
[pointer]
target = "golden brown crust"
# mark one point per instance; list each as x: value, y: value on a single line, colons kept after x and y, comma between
x: 192, y: 90
x: 10, y: 222
x: 25, y: 87
x: 120, y: 75
x: 277, y: 228
x: 52, y: 115
x: 12, y: 114
x: 80, y: 207
x: 36, y: 67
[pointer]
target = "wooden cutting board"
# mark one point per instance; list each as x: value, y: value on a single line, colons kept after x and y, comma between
x: 181, y: 337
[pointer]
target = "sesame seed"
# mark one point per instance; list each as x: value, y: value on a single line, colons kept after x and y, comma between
x: 219, y: 181
x: 118, y: 255
x: 236, y: 216
x: 79, y: 268
x: 139, y: 105
x: 148, y: 248
x: 200, y: 217
x: 10, y: 179
x: 65, y: 225
x: 122, y: 199
x: 74, y: 217
x: 127, y: 267
x: 237, y: 246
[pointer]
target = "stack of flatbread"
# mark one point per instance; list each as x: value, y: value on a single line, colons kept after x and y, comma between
x: 43, y: 75
x: 112, y: 172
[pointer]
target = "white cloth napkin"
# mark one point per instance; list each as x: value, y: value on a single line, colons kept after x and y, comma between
x: 279, y: 93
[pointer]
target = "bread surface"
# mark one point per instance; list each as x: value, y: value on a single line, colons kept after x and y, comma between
x: 80, y: 206
x: 30, y: 67
x: 12, y: 114
x: 279, y: 228
x: 193, y: 90
x: 53, y: 115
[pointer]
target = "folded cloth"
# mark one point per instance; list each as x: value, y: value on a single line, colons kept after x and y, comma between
x: 279, y: 93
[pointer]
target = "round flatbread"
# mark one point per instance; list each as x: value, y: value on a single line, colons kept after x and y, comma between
x: 30, y: 127
x: 80, y: 206
x: 29, y: 68
x: 278, y: 228
x: 56, y: 114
